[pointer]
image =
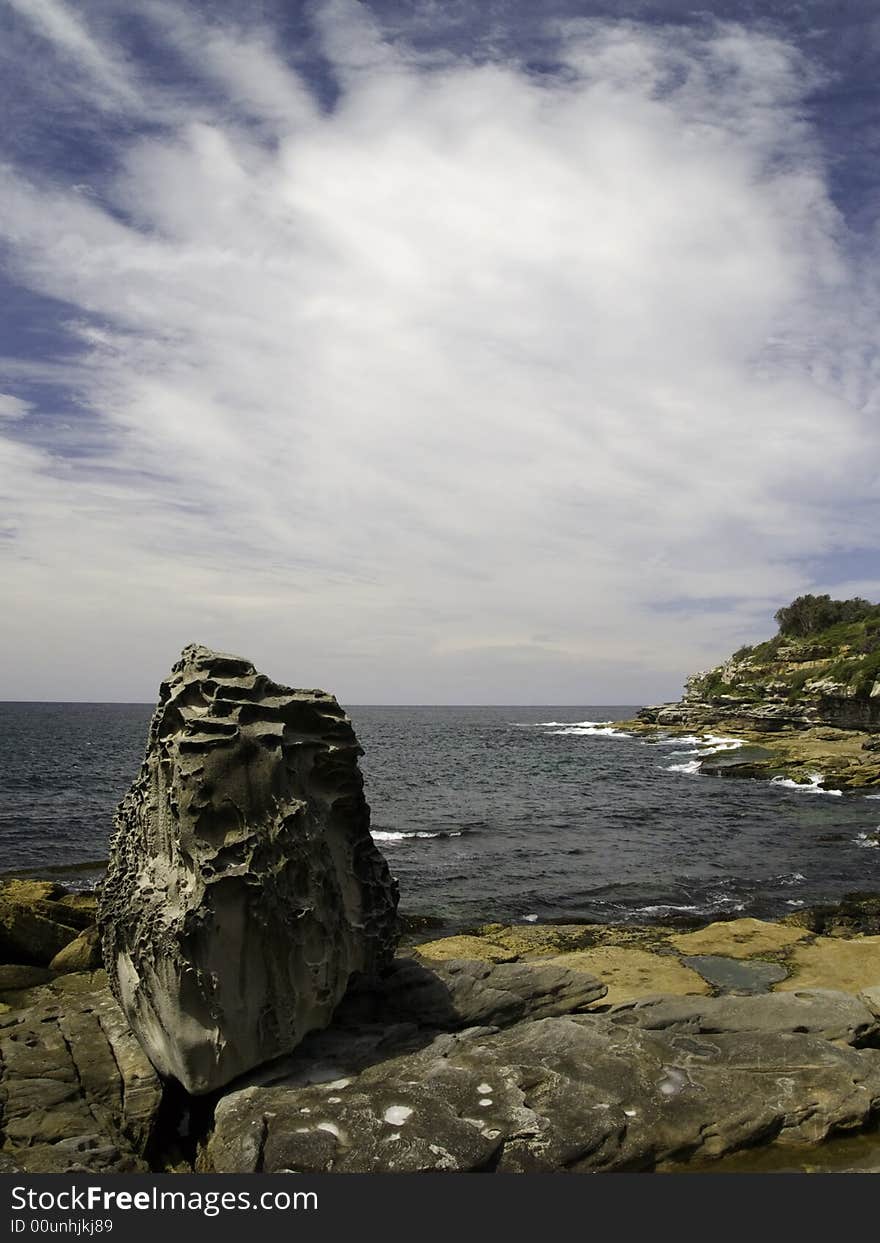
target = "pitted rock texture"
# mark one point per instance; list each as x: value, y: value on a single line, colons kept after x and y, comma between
x: 244, y: 889
x: 628, y: 1090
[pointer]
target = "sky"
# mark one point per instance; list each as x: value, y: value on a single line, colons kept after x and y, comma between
x: 432, y: 352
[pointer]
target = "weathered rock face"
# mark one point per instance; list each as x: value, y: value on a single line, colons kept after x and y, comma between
x: 37, y: 920
x: 77, y: 1091
x: 244, y: 889
x: 628, y: 1090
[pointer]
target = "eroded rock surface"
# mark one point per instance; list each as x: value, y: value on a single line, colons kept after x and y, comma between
x: 76, y: 1090
x: 625, y: 1090
x: 461, y: 993
x: 37, y: 921
x: 244, y: 889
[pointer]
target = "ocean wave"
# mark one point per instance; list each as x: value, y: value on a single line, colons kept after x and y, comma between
x: 663, y: 909
x: 871, y: 841
x: 714, y: 903
x: 596, y: 731
x: 717, y: 742
x: 689, y: 766
x: 388, y: 835
x: 707, y: 745
x: 686, y: 740
x: 810, y: 786
x: 789, y: 878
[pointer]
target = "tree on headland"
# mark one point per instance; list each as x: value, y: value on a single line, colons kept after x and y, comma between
x: 810, y: 614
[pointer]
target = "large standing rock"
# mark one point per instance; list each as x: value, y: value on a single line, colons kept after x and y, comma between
x: 244, y: 889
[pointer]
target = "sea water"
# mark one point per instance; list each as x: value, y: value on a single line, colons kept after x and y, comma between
x: 491, y: 813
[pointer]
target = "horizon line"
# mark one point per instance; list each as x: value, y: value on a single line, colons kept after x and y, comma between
x: 143, y: 703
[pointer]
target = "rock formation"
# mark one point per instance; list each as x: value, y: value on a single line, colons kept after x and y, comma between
x: 38, y: 920
x: 820, y: 677
x: 443, y: 1063
x: 244, y: 890
x: 642, y: 1085
x: 78, y: 1093
x: 807, y: 700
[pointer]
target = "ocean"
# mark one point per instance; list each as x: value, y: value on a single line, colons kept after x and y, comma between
x: 489, y: 814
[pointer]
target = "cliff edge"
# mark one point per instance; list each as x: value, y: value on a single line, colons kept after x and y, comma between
x: 808, y: 698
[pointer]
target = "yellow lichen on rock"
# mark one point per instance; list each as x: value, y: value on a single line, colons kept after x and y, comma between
x: 630, y: 973
x: 464, y: 947
x: 537, y: 940
x: 846, y: 964
x: 739, y: 938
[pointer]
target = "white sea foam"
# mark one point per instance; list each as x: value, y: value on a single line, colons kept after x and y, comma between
x: 686, y: 740
x: 810, y: 786
x: 530, y: 919
x: 707, y: 745
x: 871, y: 841
x: 662, y: 909
x: 387, y: 835
x: 872, y: 796
x: 597, y: 731
x: 689, y: 766
x: 717, y: 742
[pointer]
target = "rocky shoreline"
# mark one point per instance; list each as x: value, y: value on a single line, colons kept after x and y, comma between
x: 830, y: 758
x: 805, y: 704
x: 508, y: 1048
x: 242, y: 995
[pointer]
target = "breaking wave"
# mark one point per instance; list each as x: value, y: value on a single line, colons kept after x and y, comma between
x: 811, y: 786
x: 687, y: 766
x: 388, y: 835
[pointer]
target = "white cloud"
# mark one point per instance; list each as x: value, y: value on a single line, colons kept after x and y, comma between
x: 436, y: 395
x: 68, y: 33
x: 13, y: 407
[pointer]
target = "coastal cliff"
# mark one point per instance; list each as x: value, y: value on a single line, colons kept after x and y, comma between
x: 807, y: 699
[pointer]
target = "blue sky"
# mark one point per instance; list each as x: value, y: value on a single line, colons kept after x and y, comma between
x: 432, y: 352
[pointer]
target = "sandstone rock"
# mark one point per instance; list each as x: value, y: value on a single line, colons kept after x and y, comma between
x: 84, y: 904
x: 537, y: 940
x: 244, y: 889
x: 83, y: 954
x: 739, y: 938
x: 33, y: 926
x: 78, y: 1092
x: 835, y: 962
x: 451, y: 994
x: 630, y: 972
x: 827, y: 1013
x: 854, y: 913
x: 871, y: 998
x: 14, y: 977
x: 586, y: 1092
x: 464, y: 947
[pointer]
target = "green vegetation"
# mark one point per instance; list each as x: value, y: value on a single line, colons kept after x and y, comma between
x: 809, y: 615
x: 820, y: 640
x: 766, y: 651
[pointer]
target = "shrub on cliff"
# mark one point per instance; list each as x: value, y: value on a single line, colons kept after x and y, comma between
x: 811, y: 614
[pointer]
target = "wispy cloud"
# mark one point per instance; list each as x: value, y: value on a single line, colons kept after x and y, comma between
x: 439, y: 393
x: 102, y: 69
